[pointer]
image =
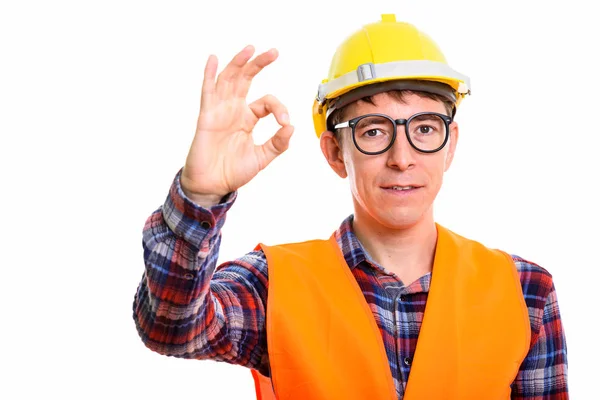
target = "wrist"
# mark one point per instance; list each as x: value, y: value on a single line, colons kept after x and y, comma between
x: 203, y: 200
x: 206, y: 200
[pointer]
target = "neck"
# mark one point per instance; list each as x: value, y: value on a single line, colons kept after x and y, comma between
x: 407, y: 252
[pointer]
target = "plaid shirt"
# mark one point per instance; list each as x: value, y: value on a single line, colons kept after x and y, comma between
x: 186, y: 306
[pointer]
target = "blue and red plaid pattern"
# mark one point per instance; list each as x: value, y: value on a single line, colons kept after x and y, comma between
x: 187, y: 306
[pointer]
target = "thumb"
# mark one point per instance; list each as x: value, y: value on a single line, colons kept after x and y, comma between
x: 276, y: 145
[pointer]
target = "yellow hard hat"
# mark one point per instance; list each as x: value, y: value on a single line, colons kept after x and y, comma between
x: 382, y: 56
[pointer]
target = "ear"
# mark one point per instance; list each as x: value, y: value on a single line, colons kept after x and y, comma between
x: 452, y: 145
x: 332, y: 150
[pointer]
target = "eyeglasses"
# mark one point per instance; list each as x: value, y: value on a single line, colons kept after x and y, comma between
x: 373, y: 134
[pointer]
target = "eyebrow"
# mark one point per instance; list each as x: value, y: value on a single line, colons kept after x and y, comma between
x: 372, y: 120
x: 426, y: 117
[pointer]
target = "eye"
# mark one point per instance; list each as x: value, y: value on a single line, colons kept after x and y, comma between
x: 425, y: 129
x: 372, y: 133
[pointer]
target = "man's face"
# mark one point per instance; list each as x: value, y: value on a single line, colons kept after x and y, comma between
x: 373, y: 177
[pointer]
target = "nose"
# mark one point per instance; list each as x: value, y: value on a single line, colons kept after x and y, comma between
x: 401, y: 155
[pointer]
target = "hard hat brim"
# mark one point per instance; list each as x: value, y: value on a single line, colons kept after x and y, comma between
x: 438, y: 88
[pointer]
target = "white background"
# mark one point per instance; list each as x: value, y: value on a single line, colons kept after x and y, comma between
x: 98, y: 103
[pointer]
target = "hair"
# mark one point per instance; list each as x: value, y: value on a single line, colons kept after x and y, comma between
x: 339, y: 115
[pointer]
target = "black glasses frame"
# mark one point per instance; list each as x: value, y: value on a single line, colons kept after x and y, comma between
x: 395, y: 122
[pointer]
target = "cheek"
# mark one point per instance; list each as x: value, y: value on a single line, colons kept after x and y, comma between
x: 361, y: 176
x: 436, y: 172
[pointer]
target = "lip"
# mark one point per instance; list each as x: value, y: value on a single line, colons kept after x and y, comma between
x: 415, y: 186
x: 401, y: 192
x: 400, y: 184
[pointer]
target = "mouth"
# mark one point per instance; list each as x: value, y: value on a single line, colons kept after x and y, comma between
x: 404, y: 189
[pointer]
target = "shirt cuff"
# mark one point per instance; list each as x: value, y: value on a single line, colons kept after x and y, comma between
x: 192, y: 222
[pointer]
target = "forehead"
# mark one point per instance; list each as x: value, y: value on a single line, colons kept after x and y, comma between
x: 385, y: 103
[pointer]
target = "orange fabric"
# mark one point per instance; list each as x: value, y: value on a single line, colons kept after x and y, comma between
x: 262, y: 384
x: 314, y: 315
x: 475, y: 331
x: 323, y: 342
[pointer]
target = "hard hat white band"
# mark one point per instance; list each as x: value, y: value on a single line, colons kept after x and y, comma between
x: 415, y: 85
x: 399, y: 70
x: 438, y: 88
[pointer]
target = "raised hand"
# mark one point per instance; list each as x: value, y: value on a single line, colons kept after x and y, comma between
x: 223, y: 156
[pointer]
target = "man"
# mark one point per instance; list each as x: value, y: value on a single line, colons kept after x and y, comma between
x: 393, y: 305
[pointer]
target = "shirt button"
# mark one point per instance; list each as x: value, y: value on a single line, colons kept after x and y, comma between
x: 402, y: 298
x: 205, y: 225
x: 407, y: 361
x: 188, y: 276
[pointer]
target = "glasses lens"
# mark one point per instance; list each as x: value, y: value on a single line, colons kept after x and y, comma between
x: 373, y: 133
x: 427, y: 131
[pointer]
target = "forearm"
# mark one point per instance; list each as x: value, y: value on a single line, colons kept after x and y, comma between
x: 182, y: 307
x: 173, y: 301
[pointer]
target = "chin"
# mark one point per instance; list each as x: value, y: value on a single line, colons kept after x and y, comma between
x: 398, y: 219
x: 391, y: 215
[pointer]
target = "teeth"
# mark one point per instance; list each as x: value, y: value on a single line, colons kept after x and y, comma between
x: 401, y: 187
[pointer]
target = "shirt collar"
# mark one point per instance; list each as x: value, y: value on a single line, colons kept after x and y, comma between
x: 354, y: 254
x: 352, y: 249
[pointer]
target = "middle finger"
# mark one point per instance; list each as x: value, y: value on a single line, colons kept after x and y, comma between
x: 252, y: 68
x: 261, y: 61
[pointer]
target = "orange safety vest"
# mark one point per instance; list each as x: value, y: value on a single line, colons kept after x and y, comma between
x: 323, y: 341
